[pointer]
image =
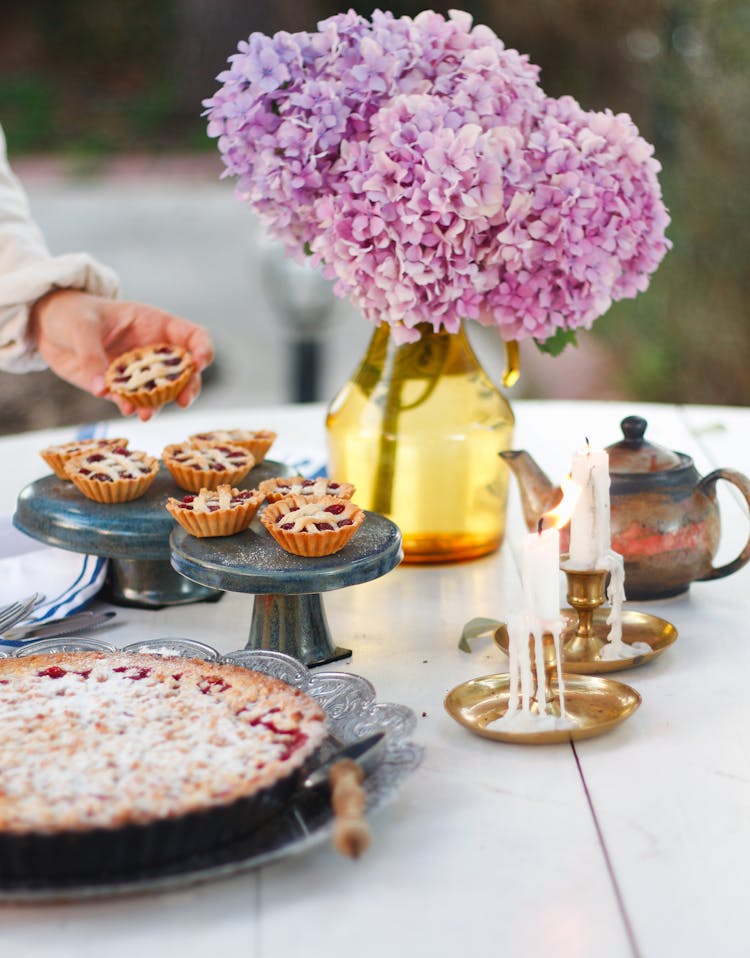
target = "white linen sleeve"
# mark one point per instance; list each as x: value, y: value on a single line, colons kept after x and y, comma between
x: 28, y: 271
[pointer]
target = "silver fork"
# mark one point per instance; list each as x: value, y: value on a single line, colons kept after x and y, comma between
x: 17, y: 611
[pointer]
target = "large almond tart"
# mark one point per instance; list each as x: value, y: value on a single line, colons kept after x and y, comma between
x: 111, y: 763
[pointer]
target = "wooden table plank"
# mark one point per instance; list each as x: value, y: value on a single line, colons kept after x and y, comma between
x: 489, y: 848
x: 672, y: 798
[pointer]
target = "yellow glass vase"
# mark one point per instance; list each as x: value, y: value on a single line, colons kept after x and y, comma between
x: 418, y: 430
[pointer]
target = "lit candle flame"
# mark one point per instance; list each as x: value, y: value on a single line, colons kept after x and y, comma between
x: 556, y: 518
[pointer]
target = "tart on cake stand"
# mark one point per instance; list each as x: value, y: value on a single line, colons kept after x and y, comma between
x: 133, y: 535
x: 288, y: 614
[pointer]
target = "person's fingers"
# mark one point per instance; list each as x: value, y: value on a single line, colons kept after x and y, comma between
x: 193, y: 338
x: 79, y: 335
x: 124, y: 405
x: 127, y: 408
x: 99, y: 388
x: 202, y: 349
x: 190, y: 393
x: 132, y: 324
x: 91, y: 358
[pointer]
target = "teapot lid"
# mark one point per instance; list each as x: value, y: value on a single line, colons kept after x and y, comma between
x: 635, y: 454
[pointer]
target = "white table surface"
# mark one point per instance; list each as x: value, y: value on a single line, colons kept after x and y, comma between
x: 636, y: 843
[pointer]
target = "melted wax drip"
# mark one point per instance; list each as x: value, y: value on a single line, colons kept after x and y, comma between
x: 527, y: 683
x: 615, y: 648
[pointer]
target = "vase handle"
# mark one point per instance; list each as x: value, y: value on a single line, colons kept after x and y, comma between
x: 512, y: 364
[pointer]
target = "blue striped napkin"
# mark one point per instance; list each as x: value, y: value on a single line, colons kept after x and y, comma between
x: 68, y: 580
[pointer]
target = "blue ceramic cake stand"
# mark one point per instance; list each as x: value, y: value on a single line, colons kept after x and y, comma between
x: 288, y: 614
x: 134, y: 536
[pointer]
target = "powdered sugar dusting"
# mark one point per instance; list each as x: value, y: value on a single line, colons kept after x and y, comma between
x: 123, y: 738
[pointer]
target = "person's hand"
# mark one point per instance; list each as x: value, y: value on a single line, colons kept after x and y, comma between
x: 78, y: 335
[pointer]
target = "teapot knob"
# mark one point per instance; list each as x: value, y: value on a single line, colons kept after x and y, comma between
x: 633, y: 428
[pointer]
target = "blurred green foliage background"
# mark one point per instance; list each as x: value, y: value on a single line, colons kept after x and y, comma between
x: 86, y: 80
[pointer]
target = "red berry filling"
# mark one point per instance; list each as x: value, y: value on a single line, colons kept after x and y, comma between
x: 131, y: 672
x: 53, y: 672
x: 213, y: 683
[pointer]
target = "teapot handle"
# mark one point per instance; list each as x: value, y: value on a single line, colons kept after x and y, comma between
x: 743, y: 484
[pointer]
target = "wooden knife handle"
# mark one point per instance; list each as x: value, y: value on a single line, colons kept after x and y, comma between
x: 351, y: 833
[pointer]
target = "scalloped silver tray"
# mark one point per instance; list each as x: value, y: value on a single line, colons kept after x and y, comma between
x: 352, y: 712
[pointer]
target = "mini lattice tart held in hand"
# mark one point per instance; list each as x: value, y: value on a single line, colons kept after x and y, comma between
x: 150, y: 375
x: 112, y: 475
x: 283, y: 486
x: 216, y: 512
x: 312, y: 525
x: 57, y: 456
x: 207, y: 465
x: 256, y: 441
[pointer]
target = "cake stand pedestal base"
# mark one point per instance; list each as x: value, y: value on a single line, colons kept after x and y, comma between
x: 296, y: 625
x: 151, y: 584
x: 288, y: 614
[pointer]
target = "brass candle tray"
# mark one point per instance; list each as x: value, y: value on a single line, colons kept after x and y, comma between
x: 594, y: 706
x: 582, y: 656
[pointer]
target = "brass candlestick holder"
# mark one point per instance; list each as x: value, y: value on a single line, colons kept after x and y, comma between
x: 590, y: 705
x: 586, y: 630
x: 584, y: 638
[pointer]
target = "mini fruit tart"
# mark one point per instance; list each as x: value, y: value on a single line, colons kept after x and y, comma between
x: 207, y: 465
x: 216, y: 512
x: 112, y: 475
x: 256, y: 441
x: 312, y: 525
x: 57, y: 456
x: 150, y: 375
x: 279, y: 488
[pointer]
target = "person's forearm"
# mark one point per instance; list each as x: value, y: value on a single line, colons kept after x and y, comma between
x: 21, y: 240
x: 28, y: 271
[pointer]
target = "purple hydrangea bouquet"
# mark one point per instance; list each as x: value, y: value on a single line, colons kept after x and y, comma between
x: 421, y: 165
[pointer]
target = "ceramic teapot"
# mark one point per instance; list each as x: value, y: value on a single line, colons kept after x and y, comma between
x: 664, y: 516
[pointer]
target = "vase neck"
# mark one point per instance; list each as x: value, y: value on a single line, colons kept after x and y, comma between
x: 384, y: 332
x: 430, y: 343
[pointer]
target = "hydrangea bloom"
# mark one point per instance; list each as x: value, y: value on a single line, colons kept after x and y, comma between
x: 420, y: 162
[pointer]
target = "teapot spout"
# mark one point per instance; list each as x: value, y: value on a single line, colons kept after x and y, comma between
x: 538, y: 493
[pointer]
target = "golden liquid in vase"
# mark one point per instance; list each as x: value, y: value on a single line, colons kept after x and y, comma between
x: 436, y: 471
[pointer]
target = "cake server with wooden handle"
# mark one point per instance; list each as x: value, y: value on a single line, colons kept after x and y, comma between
x: 344, y: 772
